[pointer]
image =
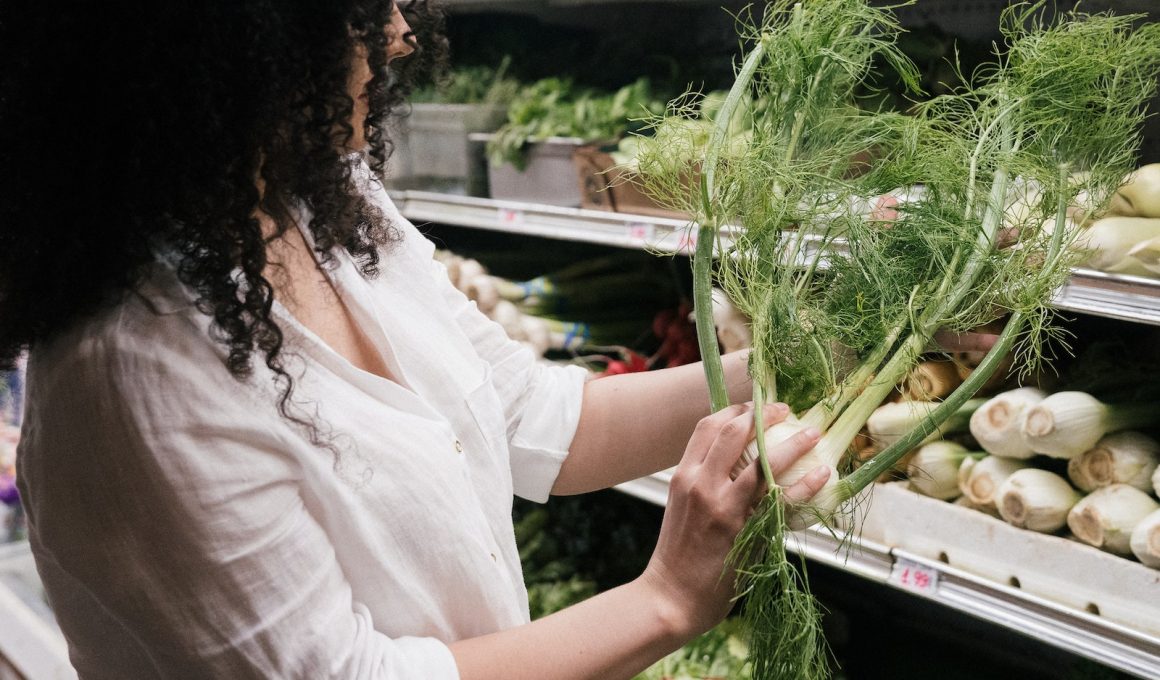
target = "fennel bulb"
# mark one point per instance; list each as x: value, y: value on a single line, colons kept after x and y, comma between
x: 1111, y: 238
x: 1066, y: 424
x: 1145, y: 540
x: 1139, y: 196
x: 998, y: 422
x: 825, y: 454
x: 889, y: 422
x: 1121, y: 458
x: 935, y: 467
x: 979, y: 480
x: 1106, y: 517
x: 1036, y: 499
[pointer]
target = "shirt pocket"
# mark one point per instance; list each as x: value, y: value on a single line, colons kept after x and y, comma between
x: 490, y: 460
x: 486, y: 410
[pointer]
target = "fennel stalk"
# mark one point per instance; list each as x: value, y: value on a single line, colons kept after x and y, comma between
x: 1066, y: 96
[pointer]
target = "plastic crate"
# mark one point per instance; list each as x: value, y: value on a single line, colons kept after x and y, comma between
x: 433, y: 143
x: 548, y: 178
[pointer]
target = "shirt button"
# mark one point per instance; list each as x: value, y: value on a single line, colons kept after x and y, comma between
x: 458, y: 447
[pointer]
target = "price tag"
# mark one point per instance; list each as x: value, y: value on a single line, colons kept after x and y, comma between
x: 510, y: 217
x: 914, y: 577
x: 688, y: 240
x: 641, y: 231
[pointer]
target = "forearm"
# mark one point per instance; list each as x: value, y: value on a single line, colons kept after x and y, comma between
x: 616, y: 634
x: 633, y: 425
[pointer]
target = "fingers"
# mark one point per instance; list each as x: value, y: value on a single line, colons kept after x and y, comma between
x: 783, y: 454
x: 964, y: 342
x: 707, y: 430
x: 749, y: 485
x: 735, y: 435
x: 807, y: 487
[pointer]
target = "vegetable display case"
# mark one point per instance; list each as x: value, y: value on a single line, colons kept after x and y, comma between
x: 1058, y: 591
x: 1064, y: 593
x: 1114, y: 296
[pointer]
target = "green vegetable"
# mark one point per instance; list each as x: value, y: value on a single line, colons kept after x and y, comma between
x: 551, y: 597
x: 1067, y: 424
x: 553, y: 107
x: 1066, y: 98
x: 722, y: 652
x: 472, y: 85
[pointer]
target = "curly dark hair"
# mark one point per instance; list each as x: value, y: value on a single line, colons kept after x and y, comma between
x: 127, y: 125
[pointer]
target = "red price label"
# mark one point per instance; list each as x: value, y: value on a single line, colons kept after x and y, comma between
x: 688, y: 241
x: 641, y: 231
x: 509, y: 217
x: 914, y: 577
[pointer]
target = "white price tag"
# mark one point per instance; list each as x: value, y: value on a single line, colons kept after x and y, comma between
x: 914, y: 577
x: 641, y: 231
x: 509, y: 217
x: 688, y: 241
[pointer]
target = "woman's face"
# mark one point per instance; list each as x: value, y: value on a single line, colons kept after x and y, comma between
x: 361, y: 75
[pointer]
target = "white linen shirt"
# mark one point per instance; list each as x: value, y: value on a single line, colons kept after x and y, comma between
x: 184, y: 529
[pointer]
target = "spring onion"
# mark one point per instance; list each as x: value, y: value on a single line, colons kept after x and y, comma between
x: 998, y: 423
x: 1066, y: 424
x: 1036, y: 499
x: 1121, y: 458
x: 1106, y: 517
x: 1145, y: 540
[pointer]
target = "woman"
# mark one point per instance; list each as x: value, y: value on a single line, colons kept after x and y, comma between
x: 264, y: 437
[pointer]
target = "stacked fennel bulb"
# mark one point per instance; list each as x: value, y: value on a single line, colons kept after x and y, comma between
x: 1051, y: 463
x: 1026, y: 430
x: 1126, y: 238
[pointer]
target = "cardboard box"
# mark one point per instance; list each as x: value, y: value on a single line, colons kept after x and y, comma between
x: 603, y: 186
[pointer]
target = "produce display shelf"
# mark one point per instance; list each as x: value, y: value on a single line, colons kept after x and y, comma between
x: 894, y: 563
x: 1115, y: 296
x: 570, y: 224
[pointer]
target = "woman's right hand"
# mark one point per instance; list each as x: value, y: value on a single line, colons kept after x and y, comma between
x: 706, y: 510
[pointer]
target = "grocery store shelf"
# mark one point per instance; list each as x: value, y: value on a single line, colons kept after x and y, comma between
x: 1128, y: 298
x: 1115, y: 296
x: 1069, y: 628
x: 570, y: 224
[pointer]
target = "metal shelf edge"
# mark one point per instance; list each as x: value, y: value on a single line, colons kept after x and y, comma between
x: 1089, y: 636
x: 1126, y: 298
x: 621, y: 230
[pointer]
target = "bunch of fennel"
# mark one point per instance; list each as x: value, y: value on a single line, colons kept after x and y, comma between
x: 1064, y: 100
